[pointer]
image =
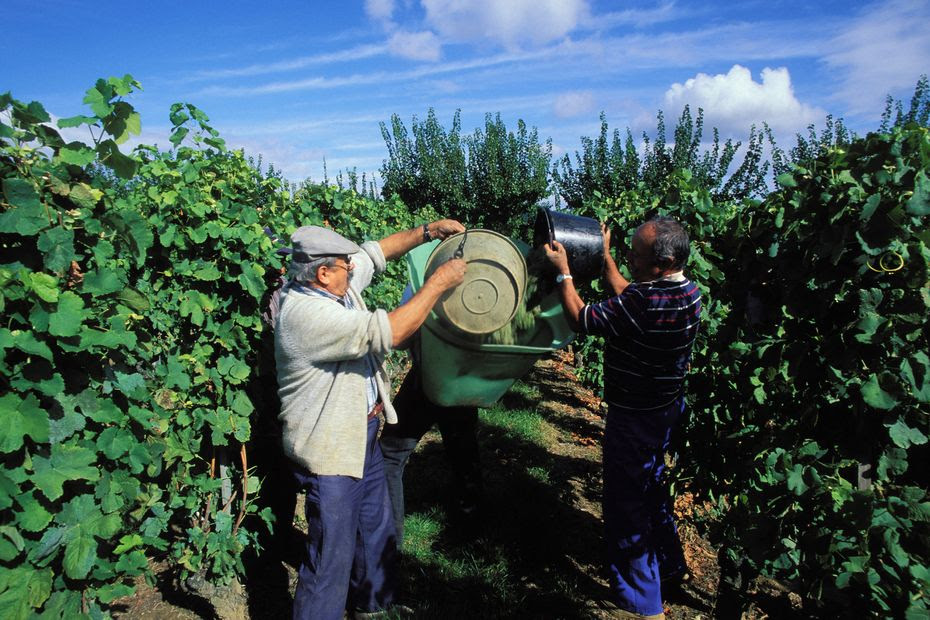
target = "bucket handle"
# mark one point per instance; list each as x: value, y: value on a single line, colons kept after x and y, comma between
x: 460, y: 251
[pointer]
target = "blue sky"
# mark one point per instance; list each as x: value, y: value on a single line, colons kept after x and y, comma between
x: 302, y: 81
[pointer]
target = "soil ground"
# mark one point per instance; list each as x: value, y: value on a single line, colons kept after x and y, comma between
x: 537, y: 552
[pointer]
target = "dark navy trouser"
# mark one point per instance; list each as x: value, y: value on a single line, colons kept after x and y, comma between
x: 351, y: 549
x: 459, y: 429
x: 642, y: 540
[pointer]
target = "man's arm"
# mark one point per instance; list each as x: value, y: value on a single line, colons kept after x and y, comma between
x: 398, y: 244
x: 408, y: 317
x: 616, y: 281
x: 571, y: 301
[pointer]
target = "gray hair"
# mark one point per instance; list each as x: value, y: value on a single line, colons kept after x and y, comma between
x: 306, y: 272
x: 671, y: 242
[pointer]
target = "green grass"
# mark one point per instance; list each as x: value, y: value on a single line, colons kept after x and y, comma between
x: 516, y: 415
x: 421, y: 531
x: 522, y: 560
x: 455, y: 577
x: 529, y: 392
x: 520, y: 424
x: 539, y: 473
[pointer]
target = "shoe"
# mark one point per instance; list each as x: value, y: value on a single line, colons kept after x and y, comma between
x: 677, y: 578
x: 394, y: 611
x: 672, y: 590
x: 622, y: 614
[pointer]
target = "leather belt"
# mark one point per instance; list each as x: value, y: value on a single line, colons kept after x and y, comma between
x: 376, y: 410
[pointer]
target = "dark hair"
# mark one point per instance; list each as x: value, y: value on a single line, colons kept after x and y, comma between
x: 671, y: 242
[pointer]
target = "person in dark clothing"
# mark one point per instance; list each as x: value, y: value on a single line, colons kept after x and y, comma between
x: 458, y: 427
x: 650, y: 325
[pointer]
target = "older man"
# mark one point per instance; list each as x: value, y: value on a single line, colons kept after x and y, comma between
x: 650, y: 325
x: 329, y: 351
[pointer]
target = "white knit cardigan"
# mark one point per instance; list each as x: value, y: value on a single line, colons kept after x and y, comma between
x: 320, y: 349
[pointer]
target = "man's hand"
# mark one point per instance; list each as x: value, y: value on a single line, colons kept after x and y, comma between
x: 606, y: 233
x: 557, y: 256
x: 440, y: 229
x: 614, y: 279
x: 407, y: 319
x: 571, y: 302
x: 449, y: 275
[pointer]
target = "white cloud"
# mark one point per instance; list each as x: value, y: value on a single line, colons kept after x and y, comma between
x: 415, y: 45
x: 509, y: 23
x: 734, y: 101
x: 405, y: 43
x: 347, y: 55
x: 299, y: 126
x: 374, y: 78
x: 572, y: 104
x: 883, y: 51
x: 664, y: 12
x: 295, y: 162
x: 379, y: 10
x: 446, y: 87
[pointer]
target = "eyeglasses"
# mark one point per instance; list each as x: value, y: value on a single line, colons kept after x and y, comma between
x: 348, y: 266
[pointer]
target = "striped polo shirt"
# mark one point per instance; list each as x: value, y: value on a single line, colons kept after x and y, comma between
x: 650, y: 329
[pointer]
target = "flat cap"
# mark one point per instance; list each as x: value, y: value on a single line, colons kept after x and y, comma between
x: 310, y: 242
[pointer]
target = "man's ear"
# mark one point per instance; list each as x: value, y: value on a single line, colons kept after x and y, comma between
x: 665, y: 263
x: 322, y: 275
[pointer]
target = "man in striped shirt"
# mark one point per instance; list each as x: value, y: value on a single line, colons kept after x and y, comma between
x: 649, y: 325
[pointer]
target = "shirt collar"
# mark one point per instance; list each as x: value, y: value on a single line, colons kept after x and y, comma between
x: 314, y: 290
x: 678, y: 276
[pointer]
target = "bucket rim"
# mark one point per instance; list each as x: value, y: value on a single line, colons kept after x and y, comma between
x: 435, y: 328
x: 451, y: 239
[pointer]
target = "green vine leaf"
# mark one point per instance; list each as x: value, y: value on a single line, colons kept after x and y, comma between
x: 28, y: 216
x: 44, y: 285
x: 58, y: 246
x: 66, y: 463
x: 84, y: 196
x: 11, y: 543
x: 251, y: 279
x: 22, y: 417
x: 28, y: 343
x: 76, y: 121
x: 875, y: 396
x: 23, y: 590
x: 67, y: 319
x: 919, y: 203
x: 103, y: 281
x: 98, y: 99
x: 904, y: 436
x: 80, y: 555
x: 114, y: 442
x: 124, y: 166
x: 34, y: 517
x: 77, y: 154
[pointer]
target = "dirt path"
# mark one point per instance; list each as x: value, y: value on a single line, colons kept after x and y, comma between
x: 538, y: 551
x: 578, y: 414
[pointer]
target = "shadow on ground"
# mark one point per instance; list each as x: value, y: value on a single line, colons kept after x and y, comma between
x: 534, y: 552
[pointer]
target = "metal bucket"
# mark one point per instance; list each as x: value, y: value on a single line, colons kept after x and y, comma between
x: 461, y: 370
x: 581, y: 236
x: 494, y: 281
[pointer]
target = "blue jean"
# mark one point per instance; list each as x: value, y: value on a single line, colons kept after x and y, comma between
x: 642, y: 541
x: 351, y: 549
